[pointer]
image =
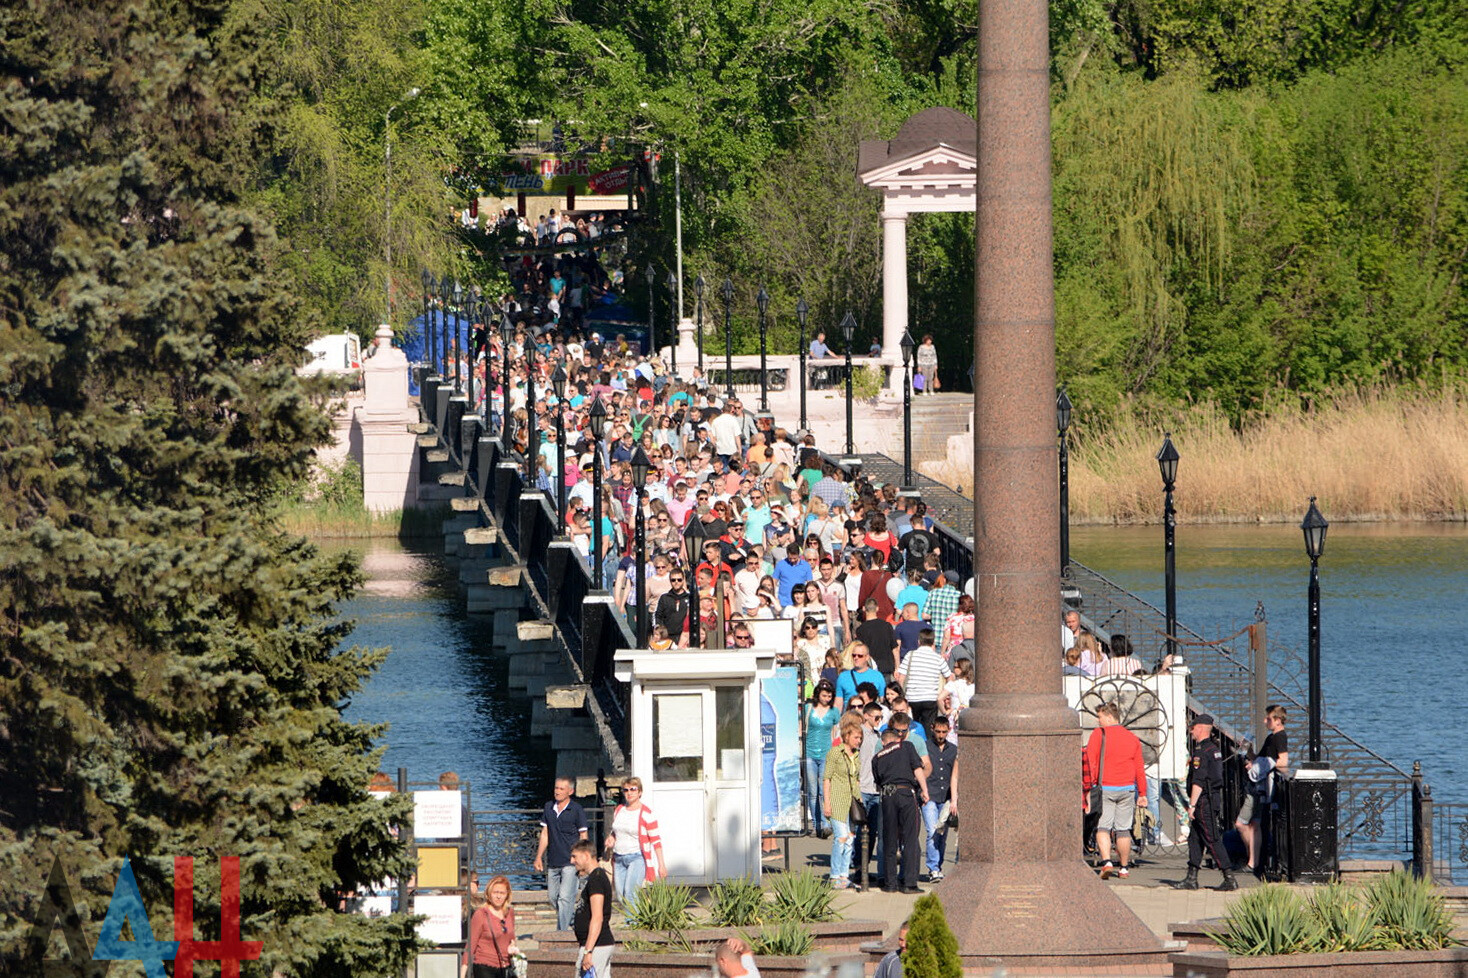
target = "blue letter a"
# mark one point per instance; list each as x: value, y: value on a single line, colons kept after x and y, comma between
x: 127, y: 905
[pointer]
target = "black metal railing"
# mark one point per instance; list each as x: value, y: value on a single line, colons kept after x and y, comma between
x: 504, y: 840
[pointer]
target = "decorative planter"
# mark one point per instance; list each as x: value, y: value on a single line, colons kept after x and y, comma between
x: 559, y: 964
x: 1449, y: 963
x: 835, y: 935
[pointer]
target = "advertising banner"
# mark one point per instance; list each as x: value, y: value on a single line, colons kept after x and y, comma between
x: 779, y: 727
x: 551, y: 176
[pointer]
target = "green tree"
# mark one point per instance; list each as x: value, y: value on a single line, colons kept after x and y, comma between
x: 932, y: 950
x: 169, y: 680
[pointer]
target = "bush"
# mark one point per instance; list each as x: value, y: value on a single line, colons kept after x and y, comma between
x: 738, y: 903
x: 932, y: 950
x: 803, y: 897
x: 787, y: 938
x: 1397, y: 912
x: 660, y: 905
x: 866, y: 383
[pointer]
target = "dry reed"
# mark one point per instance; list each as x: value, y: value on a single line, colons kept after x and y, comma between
x: 1370, y: 455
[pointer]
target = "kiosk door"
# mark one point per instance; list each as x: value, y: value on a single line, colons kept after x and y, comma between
x: 701, y: 780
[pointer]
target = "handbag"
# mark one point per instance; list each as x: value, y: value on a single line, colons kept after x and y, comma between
x: 1096, y: 788
x: 858, y: 813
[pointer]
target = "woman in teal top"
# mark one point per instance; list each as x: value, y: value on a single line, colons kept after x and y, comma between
x: 820, y: 719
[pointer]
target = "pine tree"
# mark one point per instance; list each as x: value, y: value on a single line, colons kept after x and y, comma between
x: 932, y: 950
x: 169, y: 680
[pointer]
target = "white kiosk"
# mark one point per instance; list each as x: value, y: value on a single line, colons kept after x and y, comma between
x: 696, y: 745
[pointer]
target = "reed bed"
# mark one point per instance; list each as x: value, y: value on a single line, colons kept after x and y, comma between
x: 1378, y: 454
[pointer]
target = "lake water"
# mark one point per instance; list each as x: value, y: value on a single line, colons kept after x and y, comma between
x: 1390, y: 648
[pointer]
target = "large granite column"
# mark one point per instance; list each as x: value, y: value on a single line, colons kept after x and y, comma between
x: 894, y: 282
x: 1021, y: 891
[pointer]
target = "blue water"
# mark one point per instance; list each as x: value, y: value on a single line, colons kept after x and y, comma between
x: 1392, y: 620
x: 440, y: 691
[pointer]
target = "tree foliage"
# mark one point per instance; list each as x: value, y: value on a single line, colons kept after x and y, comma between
x: 932, y: 950
x: 169, y: 680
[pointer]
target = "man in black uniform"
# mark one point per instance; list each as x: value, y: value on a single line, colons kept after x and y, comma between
x: 898, y: 771
x: 1205, y: 801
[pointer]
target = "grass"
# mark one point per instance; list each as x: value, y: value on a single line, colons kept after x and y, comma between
x: 1378, y: 454
x: 323, y: 519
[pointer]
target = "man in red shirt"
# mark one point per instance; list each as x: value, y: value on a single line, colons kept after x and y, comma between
x: 1114, y: 762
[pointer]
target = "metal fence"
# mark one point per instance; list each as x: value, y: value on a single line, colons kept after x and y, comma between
x: 504, y: 841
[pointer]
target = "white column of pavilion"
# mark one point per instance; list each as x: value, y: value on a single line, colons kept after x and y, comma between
x: 928, y: 168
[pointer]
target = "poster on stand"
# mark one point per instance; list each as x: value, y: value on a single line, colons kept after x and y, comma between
x: 779, y: 727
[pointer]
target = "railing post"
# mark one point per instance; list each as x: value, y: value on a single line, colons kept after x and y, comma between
x: 1259, y: 675
x: 1421, y: 824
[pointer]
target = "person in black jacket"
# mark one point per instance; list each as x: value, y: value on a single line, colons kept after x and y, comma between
x: 672, y: 609
x: 898, y: 772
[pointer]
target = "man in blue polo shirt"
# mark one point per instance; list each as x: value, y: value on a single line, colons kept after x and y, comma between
x: 561, y: 824
x: 861, y: 671
x: 790, y: 572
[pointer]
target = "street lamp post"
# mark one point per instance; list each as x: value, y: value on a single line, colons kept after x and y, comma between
x: 445, y: 295
x: 727, y: 291
x: 762, y: 300
x: 801, y: 312
x: 411, y: 93
x: 672, y: 282
x: 558, y: 385
x: 532, y: 450
x: 428, y: 286
x: 454, y: 350
x: 597, y: 417
x: 640, y: 466
x: 652, y: 313
x: 472, y: 307
x: 848, y: 330
x: 1062, y: 424
x: 507, y: 330
x: 1167, y: 463
x: 1314, y: 527
x: 698, y: 286
x: 907, y: 346
x: 693, y: 540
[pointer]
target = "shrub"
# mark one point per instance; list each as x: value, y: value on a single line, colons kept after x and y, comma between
x: 660, y: 905
x: 738, y: 903
x: 803, y: 897
x: 786, y: 938
x: 866, y: 383
x: 1346, y: 924
x: 932, y: 950
x: 1269, y: 920
x: 1409, y: 913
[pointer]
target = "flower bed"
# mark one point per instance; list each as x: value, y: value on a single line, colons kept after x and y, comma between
x: 558, y: 964
x: 1448, y: 963
x: 835, y: 935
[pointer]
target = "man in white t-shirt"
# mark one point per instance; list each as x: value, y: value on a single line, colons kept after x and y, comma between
x: 746, y: 585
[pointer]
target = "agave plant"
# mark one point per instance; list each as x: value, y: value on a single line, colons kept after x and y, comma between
x: 786, y: 938
x: 1409, y: 913
x: 660, y: 905
x: 1269, y: 920
x: 738, y: 903
x: 1346, y: 924
x: 803, y: 897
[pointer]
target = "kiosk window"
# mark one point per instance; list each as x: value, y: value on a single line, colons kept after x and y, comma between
x: 729, y: 732
x: 677, y: 723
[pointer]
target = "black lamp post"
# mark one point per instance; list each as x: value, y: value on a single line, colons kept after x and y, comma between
x: 672, y: 283
x: 472, y: 306
x: 445, y: 295
x: 532, y: 449
x: 454, y: 349
x: 907, y: 347
x: 848, y: 330
x: 727, y: 291
x: 762, y: 300
x: 558, y: 385
x: 1314, y: 528
x: 1062, y: 423
x: 507, y: 330
x: 598, y: 419
x: 698, y: 286
x: 693, y: 541
x: 652, y: 330
x: 1167, y: 464
x: 428, y: 285
x: 640, y: 466
x: 801, y: 312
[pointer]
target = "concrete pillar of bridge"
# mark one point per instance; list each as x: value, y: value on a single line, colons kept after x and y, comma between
x: 1039, y: 904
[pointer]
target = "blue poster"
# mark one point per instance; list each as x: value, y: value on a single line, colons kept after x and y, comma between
x: 779, y: 727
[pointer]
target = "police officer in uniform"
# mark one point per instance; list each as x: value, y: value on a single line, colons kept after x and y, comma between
x: 1205, y: 802
x: 899, y: 775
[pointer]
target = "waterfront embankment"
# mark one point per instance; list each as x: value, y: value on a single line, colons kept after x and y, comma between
x: 1385, y: 454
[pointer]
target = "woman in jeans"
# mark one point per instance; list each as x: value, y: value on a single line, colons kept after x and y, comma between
x: 820, y: 719
x: 492, y: 932
x: 634, y: 843
x: 841, y: 784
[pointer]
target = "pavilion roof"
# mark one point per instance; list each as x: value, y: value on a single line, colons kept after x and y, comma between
x: 927, y: 130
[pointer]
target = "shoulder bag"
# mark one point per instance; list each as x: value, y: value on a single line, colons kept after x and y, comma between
x: 1096, y: 788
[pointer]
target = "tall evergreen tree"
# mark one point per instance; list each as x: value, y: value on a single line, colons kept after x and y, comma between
x: 169, y: 683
